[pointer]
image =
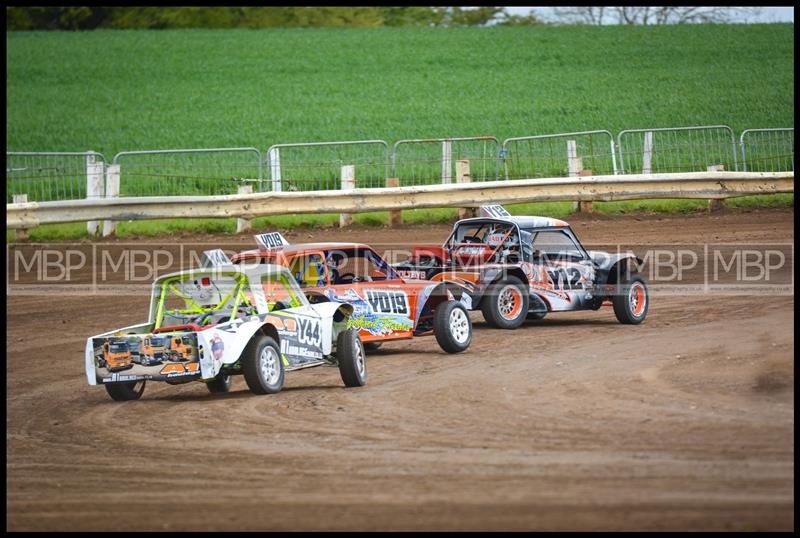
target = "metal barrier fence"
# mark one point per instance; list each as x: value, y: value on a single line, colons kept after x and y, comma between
x: 767, y: 150
x: 427, y: 161
x: 188, y: 171
x: 555, y: 155
x: 46, y: 176
x: 676, y: 149
x: 318, y: 165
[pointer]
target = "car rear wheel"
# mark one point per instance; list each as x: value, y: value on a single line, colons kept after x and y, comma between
x: 351, y: 358
x: 452, y: 326
x: 221, y: 383
x: 129, y: 390
x: 505, y: 304
x: 631, y: 303
x: 262, y: 366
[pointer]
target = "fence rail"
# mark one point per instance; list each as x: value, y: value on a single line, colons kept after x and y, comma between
x: 54, y: 175
x: 428, y: 161
x: 767, y: 150
x: 562, y: 154
x: 316, y: 166
x: 187, y: 171
x: 676, y: 149
x: 592, y: 188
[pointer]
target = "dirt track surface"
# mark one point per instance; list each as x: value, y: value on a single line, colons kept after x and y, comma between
x: 572, y: 423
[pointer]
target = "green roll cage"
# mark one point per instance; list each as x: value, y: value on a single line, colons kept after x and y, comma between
x: 241, y: 283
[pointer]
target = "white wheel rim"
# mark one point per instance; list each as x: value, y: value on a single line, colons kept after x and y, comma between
x: 361, y: 365
x: 268, y: 363
x: 459, y: 325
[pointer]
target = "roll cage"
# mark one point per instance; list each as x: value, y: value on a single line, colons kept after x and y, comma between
x: 524, y: 237
x: 217, y: 295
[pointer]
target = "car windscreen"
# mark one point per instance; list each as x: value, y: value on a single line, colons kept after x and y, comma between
x: 555, y: 244
x: 487, y: 233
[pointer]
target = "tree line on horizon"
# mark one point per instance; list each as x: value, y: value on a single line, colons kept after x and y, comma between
x: 90, y: 18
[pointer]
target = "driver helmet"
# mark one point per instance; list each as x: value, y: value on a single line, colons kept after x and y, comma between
x: 334, y: 260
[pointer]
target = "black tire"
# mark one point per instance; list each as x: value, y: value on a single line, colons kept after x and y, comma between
x: 221, y: 383
x: 263, y: 351
x: 372, y: 346
x: 535, y: 316
x: 352, y: 358
x: 452, y: 326
x: 128, y: 390
x: 632, y: 301
x: 505, y: 303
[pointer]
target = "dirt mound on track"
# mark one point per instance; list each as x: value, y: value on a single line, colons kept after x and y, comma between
x: 574, y: 422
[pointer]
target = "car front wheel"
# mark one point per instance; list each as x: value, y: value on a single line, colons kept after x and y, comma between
x: 452, y: 327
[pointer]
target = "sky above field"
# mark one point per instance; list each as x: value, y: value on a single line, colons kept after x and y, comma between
x: 767, y: 14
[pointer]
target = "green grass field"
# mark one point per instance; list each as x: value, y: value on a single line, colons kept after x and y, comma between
x: 111, y: 91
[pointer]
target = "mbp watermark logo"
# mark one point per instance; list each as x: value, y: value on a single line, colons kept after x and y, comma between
x: 119, y: 268
x: 747, y: 264
x: 767, y: 269
x: 99, y: 268
x: 744, y: 269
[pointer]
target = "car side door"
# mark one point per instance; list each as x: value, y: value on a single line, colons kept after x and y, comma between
x: 566, y: 270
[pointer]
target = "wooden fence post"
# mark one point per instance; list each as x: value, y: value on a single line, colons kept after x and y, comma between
x: 585, y: 207
x: 243, y: 225
x: 574, y: 165
x: 647, y: 153
x: 447, y: 162
x: 20, y: 234
x: 112, y: 191
x: 348, y: 182
x: 395, y: 216
x: 716, y: 204
x: 463, y: 175
x: 94, y: 188
x: 275, y: 169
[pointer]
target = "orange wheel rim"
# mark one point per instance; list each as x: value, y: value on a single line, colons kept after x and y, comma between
x: 638, y: 300
x: 510, y: 302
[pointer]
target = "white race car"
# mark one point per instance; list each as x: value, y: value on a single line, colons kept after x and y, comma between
x: 216, y: 322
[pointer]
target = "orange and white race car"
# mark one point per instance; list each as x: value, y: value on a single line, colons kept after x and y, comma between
x: 525, y: 267
x: 386, y: 306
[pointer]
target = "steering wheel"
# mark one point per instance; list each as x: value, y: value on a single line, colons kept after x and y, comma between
x: 472, y: 239
x: 365, y: 278
x: 348, y: 277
